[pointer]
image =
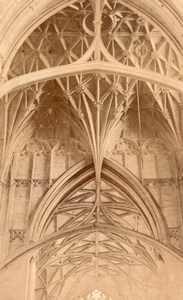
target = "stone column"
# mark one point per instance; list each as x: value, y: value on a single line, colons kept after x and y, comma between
x: 31, y: 279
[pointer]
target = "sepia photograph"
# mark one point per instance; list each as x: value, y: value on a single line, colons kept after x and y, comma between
x: 91, y: 150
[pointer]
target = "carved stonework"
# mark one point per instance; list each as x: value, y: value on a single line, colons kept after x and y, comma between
x: 156, y: 147
x: 86, y: 84
x: 152, y: 182
x: 124, y: 146
x: 140, y: 21
x: 165, y: 91
x: 29, y: 182
x: 6, y: 183
x: 80, y: 88
x: 17, y: 235
x: 166, y: 181
x: 134, y: 36
x: 155, y: 55
x: 35, y: 146
x: 114, y: 89
x: 52, y: 142
x: 174, y: 233
x: 75, y: 147
x: 141, y: 50
x: 40, y: 182
x: 22, y: 183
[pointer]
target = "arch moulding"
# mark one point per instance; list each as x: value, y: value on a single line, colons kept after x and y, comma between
x: 22, y: 18
x: 89, y: 67
x: 82, y: 173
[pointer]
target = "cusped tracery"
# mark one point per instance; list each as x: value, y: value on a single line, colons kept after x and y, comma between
x: 91, y: 157
x: 125, y: 35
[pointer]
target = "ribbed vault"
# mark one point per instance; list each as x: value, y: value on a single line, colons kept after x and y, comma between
x: 91, y: 146
x: 99, y: 249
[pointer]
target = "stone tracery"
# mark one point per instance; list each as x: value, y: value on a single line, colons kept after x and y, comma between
x: 100, y: 117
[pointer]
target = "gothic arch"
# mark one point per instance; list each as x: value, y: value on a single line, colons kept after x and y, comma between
x: 79, y: 175
x: 114, y: 70
x: 98, y: 67
x: 46, y: 11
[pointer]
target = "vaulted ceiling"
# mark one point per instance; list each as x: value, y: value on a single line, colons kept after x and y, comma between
x: 91, y: 145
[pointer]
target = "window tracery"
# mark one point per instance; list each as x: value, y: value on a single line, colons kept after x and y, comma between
x: 97, y: 295
x: 86, y: 115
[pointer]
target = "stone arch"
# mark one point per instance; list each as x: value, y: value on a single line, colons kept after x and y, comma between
x: 89, y: 67
x: 118, y: 178
x: 67, y: 183
x: 30, y: 144
x: 148, y: 204
x: 53, y: 7
x: 80, y: 174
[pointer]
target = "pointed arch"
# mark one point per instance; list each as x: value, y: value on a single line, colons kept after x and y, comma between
x: 68, y: 183
x: 121, y: 178
x: 80, y: 174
